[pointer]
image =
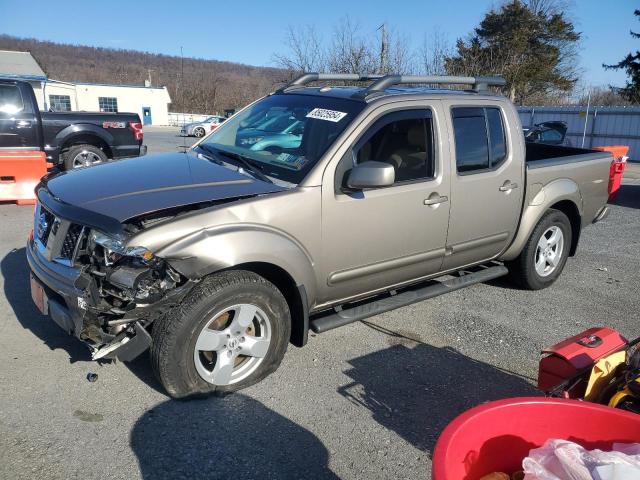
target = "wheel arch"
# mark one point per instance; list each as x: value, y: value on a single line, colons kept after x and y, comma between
x: 294, y: 294
x: 562, y: 194
x: 89, y: 134
x: 260, y: 249
x: 570, y: 209
x: 86, y: 139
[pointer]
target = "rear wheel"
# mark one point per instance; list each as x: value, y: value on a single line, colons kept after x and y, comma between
x: 198, y: 132
x: 83, y: 156
x: 545, y: 254
x: 230, y: 332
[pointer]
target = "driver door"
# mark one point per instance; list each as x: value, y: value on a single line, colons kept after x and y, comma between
x: 377, y: 238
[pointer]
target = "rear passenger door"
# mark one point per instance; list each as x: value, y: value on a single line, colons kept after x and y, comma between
x: 486, y: 184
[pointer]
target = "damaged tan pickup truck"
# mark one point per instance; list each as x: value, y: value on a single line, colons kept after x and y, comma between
x: 314, y: 207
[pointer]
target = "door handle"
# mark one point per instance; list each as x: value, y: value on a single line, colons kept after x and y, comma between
x: 508, y: 186
x: 23, y: 124
x: 435, y: 199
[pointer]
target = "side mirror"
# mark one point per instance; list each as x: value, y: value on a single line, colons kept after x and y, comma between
x: 371, y: 174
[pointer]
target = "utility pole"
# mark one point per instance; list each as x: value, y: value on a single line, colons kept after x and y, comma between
x: 384, y: 47
x: 149, y: 70
x: 586, y: 117
x: 184, y: 138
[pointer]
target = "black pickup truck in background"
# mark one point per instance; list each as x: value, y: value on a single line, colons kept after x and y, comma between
x: 69, y: 139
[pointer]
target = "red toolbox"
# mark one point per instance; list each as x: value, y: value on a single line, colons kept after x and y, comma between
x: 567, y: 360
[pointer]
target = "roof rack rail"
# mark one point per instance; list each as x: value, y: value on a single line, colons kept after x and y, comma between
x: 382, y: 82
x: 479, y: 83
x: 306, y: 78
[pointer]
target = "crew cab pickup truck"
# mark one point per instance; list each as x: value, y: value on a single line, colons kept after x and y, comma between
x: 69, y: 139
x: 219, y: 257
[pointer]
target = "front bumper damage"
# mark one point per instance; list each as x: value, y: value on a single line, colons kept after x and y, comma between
x: 110, y: 305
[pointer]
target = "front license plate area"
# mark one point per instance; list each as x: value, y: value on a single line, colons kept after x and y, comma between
x: 39, y: 297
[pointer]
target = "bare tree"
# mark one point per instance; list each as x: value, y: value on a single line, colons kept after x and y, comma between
x: 349, y: 51
x: 433, y: 53
x: 306, y: 53
x: 549, y: 7
x: 400, y: 60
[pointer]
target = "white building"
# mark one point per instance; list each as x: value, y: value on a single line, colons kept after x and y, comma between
x: 151, y: 103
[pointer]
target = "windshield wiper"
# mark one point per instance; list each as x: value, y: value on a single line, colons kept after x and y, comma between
x: 246, y: 162
x: 212, y: 155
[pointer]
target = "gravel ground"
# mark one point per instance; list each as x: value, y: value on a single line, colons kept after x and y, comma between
x: 364, y: 401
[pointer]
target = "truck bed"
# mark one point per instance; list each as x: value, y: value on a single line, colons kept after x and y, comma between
x: 587, y: 170
x: 539, y: 154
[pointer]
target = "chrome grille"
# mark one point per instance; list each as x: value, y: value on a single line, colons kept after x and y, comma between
x: 44, y: 224
x: 70, y: 241
x: 56, y: 238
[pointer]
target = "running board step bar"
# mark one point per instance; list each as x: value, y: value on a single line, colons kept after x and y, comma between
x: 348, y: 315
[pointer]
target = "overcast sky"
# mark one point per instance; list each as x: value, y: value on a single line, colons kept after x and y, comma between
x: 252, y: 31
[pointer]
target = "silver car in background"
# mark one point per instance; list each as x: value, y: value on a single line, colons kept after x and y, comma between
x: 200, y: 129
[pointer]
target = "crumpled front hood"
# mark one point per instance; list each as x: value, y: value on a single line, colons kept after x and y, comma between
x: 128, y: 188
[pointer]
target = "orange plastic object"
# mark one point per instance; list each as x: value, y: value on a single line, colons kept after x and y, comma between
x: 20, y: 172
x: 618, y: 151
x: 616, y: 171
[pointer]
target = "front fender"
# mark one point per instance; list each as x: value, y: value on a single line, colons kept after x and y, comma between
x: 209, y: 250
x: 539, y: 200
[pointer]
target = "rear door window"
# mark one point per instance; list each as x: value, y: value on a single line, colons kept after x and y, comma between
x: 472, y: 149
x: 479, y: 138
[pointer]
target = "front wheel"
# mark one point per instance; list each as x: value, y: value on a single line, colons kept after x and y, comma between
x: 545, y: 254
x: 230, y: 332
x: 199, y: 132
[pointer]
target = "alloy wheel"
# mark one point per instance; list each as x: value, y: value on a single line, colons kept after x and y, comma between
x: 232, y: 345
x: 86, y: 158
x: 549, y: 251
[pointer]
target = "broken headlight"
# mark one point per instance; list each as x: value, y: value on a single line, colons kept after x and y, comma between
x: 117, y: 245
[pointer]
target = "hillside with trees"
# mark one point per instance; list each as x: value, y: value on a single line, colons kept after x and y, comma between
x: 207, y: 86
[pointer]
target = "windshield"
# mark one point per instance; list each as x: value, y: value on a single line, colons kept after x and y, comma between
x: 285, y: 135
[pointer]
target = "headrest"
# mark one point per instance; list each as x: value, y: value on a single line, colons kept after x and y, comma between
x: 415, y: 136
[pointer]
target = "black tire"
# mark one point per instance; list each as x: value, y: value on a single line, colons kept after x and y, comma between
x: 175, y: 334
x: 198, y: 132
x: 522, y: 270
x: 91, y: 151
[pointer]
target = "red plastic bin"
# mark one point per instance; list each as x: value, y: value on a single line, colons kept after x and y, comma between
x: 616, y: 171
x: 497, y: 436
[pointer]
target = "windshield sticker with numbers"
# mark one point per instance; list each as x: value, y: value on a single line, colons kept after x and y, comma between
x: 324, y: 114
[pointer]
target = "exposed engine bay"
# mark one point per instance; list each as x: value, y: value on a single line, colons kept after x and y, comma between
x: 125, y: 290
